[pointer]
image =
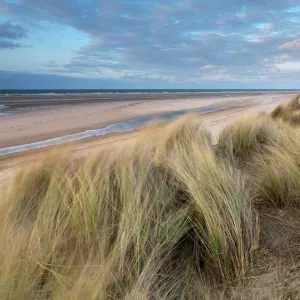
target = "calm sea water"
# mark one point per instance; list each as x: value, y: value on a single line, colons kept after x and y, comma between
x: 134, y: 91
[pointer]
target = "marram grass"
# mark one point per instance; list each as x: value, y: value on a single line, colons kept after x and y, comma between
x: 166, y: 217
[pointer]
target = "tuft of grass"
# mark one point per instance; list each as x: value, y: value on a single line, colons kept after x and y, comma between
x: 280, y: 112
x: 278, y: 179
x: 288, y: 113
x: 219, y: 197
x: 159, y: 219
x: 294, y: 119
x: 242, y: 139
x: 276, y: 171
x: 294, y: 103
x: 268, y: 150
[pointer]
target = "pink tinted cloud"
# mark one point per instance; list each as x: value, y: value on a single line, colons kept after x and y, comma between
x: 285, y: 57
x: 293, y: 45
x: 268, y: 27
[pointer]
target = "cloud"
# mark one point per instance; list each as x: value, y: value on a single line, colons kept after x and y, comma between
x: 293, y: 45
x: 9, y: 33
x: 256, y: 40
x: 242, y: 15
x: 268, y: 27
x: 289, y: 67
x: 4, y: 44
x: 161, y: 39
x: 284, y: 57
x: 208, y: 67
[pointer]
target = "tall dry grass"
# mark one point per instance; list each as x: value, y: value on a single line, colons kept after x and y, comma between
x: 240, y: 141
x: 267, y: 147
x: 167, y: 217
x: 154, y: 220
x: 289, y: 112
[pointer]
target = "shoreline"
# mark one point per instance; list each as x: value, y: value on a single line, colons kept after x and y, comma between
x: 115, y: 128
x: 39, y: 125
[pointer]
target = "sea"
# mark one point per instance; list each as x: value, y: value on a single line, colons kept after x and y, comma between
x: 28, y: 92
x: 19, y: 100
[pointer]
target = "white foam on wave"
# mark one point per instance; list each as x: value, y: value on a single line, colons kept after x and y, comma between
x: 126, y: 126
x: 2, y: 107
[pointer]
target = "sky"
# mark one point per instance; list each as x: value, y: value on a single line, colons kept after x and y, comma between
x: 150, y: 44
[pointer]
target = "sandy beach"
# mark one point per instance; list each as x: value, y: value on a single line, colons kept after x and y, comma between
x: 39, y: 125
